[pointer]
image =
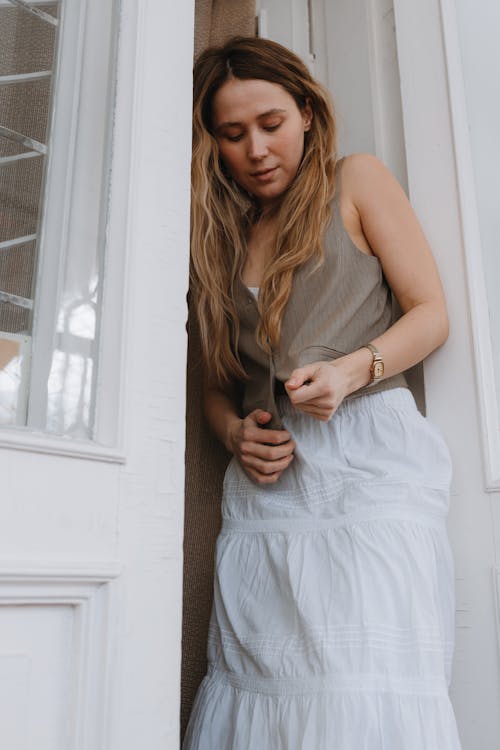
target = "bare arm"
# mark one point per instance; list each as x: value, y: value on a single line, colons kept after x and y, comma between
x: 219, y: 406
x: 390, y: 230
x: 263, y: 454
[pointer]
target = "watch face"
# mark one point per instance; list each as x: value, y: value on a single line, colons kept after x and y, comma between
x: 378, y: 369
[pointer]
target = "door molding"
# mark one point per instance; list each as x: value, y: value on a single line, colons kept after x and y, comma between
x: 487, y: 394
x: 87, y: 589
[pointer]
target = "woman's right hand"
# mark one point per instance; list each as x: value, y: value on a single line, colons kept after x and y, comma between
x: 263, y: 454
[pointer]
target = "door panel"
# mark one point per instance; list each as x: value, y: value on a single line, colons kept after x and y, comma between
x: 91, y: 518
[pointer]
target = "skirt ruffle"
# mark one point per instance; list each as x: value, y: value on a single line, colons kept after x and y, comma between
x: 336, y: 716
x: 333, y: 617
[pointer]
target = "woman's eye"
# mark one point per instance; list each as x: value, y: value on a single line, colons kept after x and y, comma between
x: 234, y: 138
x: 270, y: 128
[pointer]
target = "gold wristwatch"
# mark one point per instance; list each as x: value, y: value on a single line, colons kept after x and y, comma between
x: 377, y: 365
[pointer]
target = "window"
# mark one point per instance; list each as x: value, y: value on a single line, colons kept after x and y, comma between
x: 56, y: 103
x: 28, y: 40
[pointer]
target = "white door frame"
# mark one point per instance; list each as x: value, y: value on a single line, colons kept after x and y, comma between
x: 149, y: 209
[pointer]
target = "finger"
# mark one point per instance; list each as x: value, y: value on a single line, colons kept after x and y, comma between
x: 263, y: 417
x: 266, y: 467
x: 315, y: 406
x: 267, y: 452
x: 258, y: 435
x: 316, y: 403
x: 259, y: 416
x: 300, y: 375
x: 313, y: 390
x: 323, y: 414
x: 263, y: 478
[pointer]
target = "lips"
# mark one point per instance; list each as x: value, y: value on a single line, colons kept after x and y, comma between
x: 262, y: 174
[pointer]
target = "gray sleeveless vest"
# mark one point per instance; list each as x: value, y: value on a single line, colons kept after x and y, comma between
x: 331, y: 311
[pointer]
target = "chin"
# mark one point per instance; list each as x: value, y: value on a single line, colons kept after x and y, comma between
x: 271, y: 196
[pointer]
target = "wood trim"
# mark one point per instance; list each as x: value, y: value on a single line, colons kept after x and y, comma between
x: 24, y: 439
x: 487, y: 393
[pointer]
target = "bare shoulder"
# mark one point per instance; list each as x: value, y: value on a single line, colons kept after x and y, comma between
x: 365, y: 179
x: 391, y: 229
x: 365, y: 176
x: 361, y: 161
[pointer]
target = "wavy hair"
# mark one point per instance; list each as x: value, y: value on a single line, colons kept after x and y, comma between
x: 221, y: 211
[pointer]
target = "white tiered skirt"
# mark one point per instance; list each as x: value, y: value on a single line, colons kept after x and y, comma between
x: 333, y: 617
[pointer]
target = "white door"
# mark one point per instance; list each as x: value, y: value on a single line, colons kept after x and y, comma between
x: 95, y: 105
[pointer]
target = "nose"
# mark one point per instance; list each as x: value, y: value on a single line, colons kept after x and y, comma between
x: 257, y: 145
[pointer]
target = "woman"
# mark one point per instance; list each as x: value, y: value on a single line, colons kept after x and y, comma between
x: 333, y: 616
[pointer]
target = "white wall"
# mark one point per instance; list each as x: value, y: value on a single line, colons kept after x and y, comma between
x: 349, y: 74
x: 436, y: 143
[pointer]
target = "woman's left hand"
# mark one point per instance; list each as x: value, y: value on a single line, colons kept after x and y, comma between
x: 317, y: 389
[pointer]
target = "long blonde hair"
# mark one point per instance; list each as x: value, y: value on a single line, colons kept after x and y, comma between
x: 222, y: 211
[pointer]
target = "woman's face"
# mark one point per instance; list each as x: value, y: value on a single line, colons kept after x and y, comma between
x: 260, y: 133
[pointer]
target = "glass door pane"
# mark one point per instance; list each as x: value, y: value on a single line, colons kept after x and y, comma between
x: 56, y: 106
x: 28, y: 44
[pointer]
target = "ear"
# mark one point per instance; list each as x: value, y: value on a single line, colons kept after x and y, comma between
x: 307, y: 115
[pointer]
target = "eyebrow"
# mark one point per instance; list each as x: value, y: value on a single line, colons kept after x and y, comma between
x: 274, y: 111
